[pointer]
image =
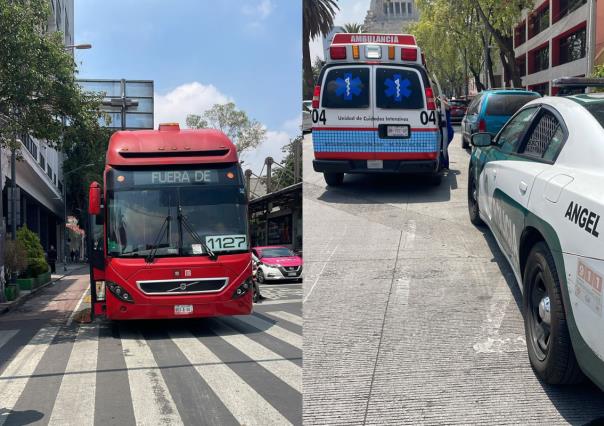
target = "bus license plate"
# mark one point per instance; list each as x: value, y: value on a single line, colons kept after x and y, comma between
x: 397, y: 131
x: 183, y: 309
x: 375, y: 164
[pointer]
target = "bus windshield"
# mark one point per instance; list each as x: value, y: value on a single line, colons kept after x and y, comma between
x: 168, y: 211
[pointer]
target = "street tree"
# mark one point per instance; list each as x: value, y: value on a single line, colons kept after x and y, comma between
x: 317, y: 20
x: 244, y: 132
x: 38, y: 92
x: 284, y: 175
x: 353, y: 27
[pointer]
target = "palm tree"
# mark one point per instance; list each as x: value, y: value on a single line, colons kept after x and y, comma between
x: 353, y: 27
x: 317, y: 18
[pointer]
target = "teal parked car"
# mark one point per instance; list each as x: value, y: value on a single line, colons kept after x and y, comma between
x: 491, y: 109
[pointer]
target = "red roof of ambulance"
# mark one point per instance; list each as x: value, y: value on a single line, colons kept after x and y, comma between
x: 170, y: 145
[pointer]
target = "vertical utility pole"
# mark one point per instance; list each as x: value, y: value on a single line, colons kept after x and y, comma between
x: 297, y: 159
x: 13, y: 190
x: 269, y: 166
x: 248, y: 183
x: 591, y: 37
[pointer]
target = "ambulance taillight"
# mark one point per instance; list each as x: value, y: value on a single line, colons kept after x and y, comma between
x: 430, y: 102
x: 337, y: 52
x: 409, y: 54
x: 315, y: 97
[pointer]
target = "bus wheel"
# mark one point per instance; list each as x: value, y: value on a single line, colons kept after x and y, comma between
x: 260, y: 276
x: 334, y: 179
x: 547, y: 337
x: 473, y: 201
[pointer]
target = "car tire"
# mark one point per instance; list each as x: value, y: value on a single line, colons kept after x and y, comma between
x: 260, y: 276
x: 473, y: 208
x: 334, y: 179
x: 549, y: 346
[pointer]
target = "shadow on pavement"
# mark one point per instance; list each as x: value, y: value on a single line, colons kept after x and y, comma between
x: 26, y: 417
x: 391, y: 188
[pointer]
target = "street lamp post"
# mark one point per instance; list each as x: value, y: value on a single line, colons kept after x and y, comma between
x: 65, y: 231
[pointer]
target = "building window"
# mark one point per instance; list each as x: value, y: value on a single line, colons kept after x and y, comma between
x: 409, y: 8
x: 520, y: 34
x: 60, y: 187
x: 521, y: 64
x: 565, y: 7
x: 49, y: 170
x: 572, y: 47
x: 385, y: 8
x: 539, y: 21
x: 391, y: 8
x: 540, y: 60
x: 42, y: 162
x: 30, y: 145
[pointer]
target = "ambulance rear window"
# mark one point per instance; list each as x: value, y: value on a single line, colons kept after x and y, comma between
x: 398, y: 88
x: 347, y: 88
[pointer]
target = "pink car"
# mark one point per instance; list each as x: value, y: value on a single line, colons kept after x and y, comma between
x: 276, y: 263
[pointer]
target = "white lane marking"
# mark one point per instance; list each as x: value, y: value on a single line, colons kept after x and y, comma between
x: 324, y: 265
x: 151, y: 398
x: 280, y: 301
x: 284, y: 369
x: 273, y: 330
x: 16, y: 375
x: 294, y: 319
x: 6, y: 335
x: 75, y: 399
x: 490, y: 341
x: 75, y: 311
x: 244, y: 403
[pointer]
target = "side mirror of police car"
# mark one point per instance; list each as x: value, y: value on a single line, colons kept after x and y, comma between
x: 482, y: 139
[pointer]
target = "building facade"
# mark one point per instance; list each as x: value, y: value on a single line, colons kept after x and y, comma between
x: 551, y: 41
x: 390, y: 16
x: 39, y: 180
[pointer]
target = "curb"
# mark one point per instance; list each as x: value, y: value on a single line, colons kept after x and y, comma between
x: 22, y: 299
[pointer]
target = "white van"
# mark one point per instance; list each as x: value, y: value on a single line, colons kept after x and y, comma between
x: 374, y: 110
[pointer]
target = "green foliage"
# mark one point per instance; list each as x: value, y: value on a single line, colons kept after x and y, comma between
x: 353, y: 27
x: 37, y: 78
x: 284, y: 176
x: 244, y: 132
x: 317, y: 19
x: 15, y: 257
x: 36, y: 263
x: 598, y: 72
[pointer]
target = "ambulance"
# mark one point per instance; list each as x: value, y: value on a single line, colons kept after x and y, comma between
x: 374, y: 110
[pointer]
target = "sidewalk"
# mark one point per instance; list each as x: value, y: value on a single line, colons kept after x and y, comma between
x: 72, y: 268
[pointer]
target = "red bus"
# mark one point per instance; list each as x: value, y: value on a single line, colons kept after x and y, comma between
x: 169, y: 234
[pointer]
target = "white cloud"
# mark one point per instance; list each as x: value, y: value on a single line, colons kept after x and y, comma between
x: 258, y: 12
x: 190, y: 98
x: 195, y: 98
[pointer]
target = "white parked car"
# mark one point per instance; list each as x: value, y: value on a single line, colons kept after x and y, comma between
x: 539, y: 186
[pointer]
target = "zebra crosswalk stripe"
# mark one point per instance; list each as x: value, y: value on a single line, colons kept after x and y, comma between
x: 151, y: 399
x: 294, y: 319
x: 77, y: 392
x: 285, y: 370
x: 16, y: 375
x: 273, y: 330
x: 244, y: 403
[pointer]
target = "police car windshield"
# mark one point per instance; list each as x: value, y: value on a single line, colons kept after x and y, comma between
x: 507, y: 104
x: 211, y: 198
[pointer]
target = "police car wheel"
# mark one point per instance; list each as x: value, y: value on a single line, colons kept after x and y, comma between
x: 334, y: 179
x: 473, y: 201
x: 547, y: 337
x: 260, y: 276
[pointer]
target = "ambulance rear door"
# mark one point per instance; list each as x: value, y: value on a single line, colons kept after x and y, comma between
x: 406, y: 128
x: 343, y: 123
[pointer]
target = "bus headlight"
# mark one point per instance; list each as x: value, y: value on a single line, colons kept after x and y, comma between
x: 119, y: 292
x: 245, y: 287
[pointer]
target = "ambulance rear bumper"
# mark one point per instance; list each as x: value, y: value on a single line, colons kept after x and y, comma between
x: 389, y: 166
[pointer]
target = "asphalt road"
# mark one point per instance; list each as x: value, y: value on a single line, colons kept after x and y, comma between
x: 412, y: 315
x: 227, y: 371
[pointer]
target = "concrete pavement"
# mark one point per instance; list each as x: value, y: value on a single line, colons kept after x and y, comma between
x: 411, y: 314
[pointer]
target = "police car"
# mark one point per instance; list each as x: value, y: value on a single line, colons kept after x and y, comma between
x: 374, y: 109
x: 539, y: 186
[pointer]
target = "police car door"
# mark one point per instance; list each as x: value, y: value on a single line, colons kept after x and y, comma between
x: 406, y: 128
x: 342, y: 124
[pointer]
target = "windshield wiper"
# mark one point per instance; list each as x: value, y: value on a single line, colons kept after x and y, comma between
x: 182, y: 219
x: 155, y: 246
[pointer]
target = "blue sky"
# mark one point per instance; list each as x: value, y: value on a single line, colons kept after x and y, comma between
x: 202, y: 52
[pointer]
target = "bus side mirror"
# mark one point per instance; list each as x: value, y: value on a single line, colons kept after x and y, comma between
x: 94, y: 199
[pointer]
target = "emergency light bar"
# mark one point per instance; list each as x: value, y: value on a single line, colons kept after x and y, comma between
x: 372, y: 47
x: 578, y: 82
